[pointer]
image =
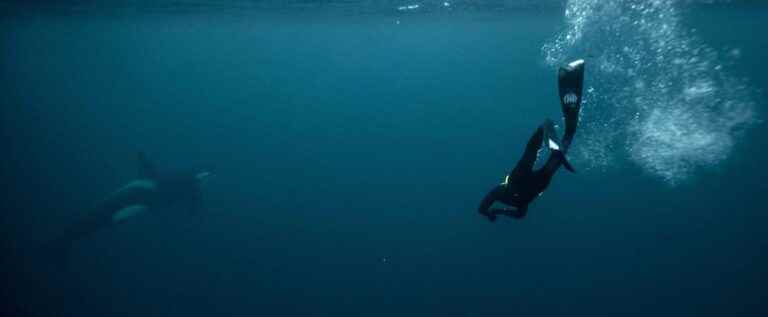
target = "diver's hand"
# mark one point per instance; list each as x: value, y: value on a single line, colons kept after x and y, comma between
x: 489, y: 214
x: 519, y: 213
x: 509, y: 212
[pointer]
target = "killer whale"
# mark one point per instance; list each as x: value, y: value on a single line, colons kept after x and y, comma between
x: 153, y: 190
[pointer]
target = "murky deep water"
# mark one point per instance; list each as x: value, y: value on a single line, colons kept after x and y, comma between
x: 352, y: 142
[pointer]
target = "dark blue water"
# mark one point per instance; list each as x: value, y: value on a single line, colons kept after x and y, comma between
x: 352, y: 142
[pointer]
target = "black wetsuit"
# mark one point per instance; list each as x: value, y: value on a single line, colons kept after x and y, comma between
x: 523, y: 184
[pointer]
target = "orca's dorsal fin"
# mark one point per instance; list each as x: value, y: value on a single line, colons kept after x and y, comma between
x: 146, y: 168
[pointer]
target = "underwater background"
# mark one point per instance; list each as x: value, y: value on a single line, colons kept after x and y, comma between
x: 351, y: 143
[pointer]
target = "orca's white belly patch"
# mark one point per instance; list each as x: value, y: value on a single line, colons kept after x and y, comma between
x: 128, y: 212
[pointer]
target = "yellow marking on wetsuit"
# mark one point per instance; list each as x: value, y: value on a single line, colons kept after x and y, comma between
x: 506, y: 180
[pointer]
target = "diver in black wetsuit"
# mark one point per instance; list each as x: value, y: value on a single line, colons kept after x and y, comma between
x: 523, y: 184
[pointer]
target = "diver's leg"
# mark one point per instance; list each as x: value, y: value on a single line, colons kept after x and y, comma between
x: 550, y: 167
x: 526, y: 162
x: 556, y: 148
x: 571, y: 83
x: 571, y: 121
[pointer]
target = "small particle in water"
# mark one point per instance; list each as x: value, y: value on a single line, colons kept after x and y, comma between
x: 384, y: 260
x: 397, y: 22
x: 446, y: 4
x: 408, y: 7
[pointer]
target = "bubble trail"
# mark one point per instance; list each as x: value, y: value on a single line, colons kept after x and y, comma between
x: 656, y: 94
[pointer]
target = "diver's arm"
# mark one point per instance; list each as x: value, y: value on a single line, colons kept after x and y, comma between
x: 487, y: 202
x: 517, y: 213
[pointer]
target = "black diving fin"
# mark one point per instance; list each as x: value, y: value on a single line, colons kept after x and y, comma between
x: 570, y: 81
x: 554, y: 144
x: 564, y: 160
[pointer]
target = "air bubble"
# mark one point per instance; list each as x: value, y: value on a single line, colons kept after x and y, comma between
x: 657, y: 99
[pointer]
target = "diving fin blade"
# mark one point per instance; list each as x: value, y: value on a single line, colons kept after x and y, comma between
x: 571, y: 83
x: 557, y: 149
x: 564, y: 160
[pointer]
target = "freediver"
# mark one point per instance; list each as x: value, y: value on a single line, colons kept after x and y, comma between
x: 523, y: 184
